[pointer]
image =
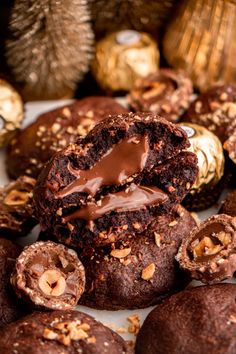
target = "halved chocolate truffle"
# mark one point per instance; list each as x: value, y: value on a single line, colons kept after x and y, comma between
x: 209, y: 253
x: 49, y: 275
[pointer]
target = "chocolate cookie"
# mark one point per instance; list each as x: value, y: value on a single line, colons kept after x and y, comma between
x: 216, y: 110
x: 195, y: 321
x: 228, y: 206
x: 57, y: 332
x: 91, y: 193
x: 139, y: 272
x: 10, y: 308
x: 49, y: 275
x: 208, y: 254
x: 52, y: 131
x: 166, y: 92
x: 17, y: 214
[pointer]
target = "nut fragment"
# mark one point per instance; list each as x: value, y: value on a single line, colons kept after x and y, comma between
x: 16, y: 197
x: 206, y: 246
x: 148, y: 272
x: 135, y: 324
x: 157, y: 239
x: 65, y: 332
x: 120, y: 253
x: 52, y: 283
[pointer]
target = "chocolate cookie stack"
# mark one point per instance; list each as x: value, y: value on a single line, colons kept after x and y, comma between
x: 113, y: 196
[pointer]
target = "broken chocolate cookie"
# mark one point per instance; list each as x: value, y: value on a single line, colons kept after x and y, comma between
x: 10, y: 307
x: 208, y: 254
x: 17, y: 213
x: 49, y: 275
x: 52, y: 131
x: 67, y: 332
x: 137, y: 273
x: 194, y: 321
x: 127, y: 170
x: 166, y: 92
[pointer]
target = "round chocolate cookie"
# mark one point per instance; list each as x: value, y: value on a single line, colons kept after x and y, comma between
x: 60, y: 332
x: 17, y: 214
x: 10, y: 307
x: 139, y: 272
x: 49, y: 275
x: 52, y: 131
x: 166, y: 92
x: 215, y: 109
x: 195, y: 321
x: 126, y: 171
x: 208, y: 253
x: 228, y: 206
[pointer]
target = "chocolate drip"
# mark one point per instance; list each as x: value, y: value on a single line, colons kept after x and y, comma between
x: 132, y: 199
x: 120, y: 162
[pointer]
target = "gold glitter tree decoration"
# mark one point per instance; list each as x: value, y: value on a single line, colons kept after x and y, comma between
x: 141, y: 15
x: 51, y: 46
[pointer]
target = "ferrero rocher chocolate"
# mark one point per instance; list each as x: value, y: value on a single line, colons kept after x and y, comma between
x: 11, y: 112
x: 209, y: 151
x: 201, y: 40
x: 123, y: 57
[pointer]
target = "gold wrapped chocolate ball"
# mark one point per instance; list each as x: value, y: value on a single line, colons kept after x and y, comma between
x: 209, y: 151
x: 123, y: 57
x: 11, y: 112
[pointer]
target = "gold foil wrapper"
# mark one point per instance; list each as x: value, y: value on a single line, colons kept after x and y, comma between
x: 209, y: 151
x: 11, y: 112
x: 201, y: 40
x: 123, y: 57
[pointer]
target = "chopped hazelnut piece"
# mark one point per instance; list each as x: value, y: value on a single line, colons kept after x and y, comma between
x: 120, y: 253
x: 148, y: 272
x: 91, y: 340
x: 173, y: 223
x: 69, y: 331
x: 157, y: 239
x: 135, y: 324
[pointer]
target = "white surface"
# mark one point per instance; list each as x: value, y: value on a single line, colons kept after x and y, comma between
x: 114, y: 319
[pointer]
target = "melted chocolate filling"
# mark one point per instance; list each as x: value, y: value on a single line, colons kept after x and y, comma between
x: 123, y: 160
x: 131, y: 199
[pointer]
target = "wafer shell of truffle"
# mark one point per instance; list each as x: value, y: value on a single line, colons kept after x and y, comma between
x: 49, y: 275
x: 209, y: 253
